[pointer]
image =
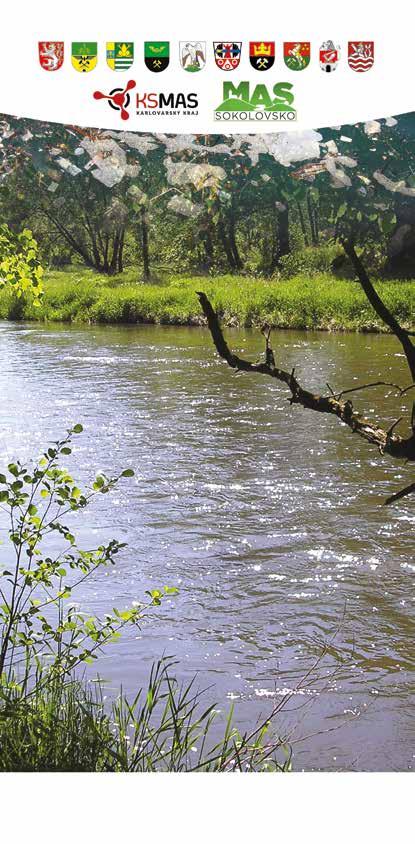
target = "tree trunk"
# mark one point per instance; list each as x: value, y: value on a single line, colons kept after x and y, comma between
x: 106, y: 251
x: 226, y: 243
x: 120, y: 266
x: 381, y: 309
x: 401, y: 244
x: 282, y: 230
x: 312, y: 218
x: 232, y: 242
x: 302, y: 224
x: 77, y: 247
x: 113, y: 267
x: 205, y: 235
x: 94, y: 247
x: 144, y: 244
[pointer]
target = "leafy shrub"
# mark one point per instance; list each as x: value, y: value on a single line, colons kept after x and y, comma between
x: 20, y: 269
x: 49, y: 718
x: 311, y: 260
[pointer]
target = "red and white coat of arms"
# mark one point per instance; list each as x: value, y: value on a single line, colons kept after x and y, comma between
x: 51, y: 54
x: 361, y: 55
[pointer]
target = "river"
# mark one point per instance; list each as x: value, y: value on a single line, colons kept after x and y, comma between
x: 267, y: 517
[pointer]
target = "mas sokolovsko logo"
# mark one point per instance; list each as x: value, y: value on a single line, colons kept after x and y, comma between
x: 244, y: 101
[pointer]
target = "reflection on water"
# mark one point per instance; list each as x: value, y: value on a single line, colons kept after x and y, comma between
x: 267, y: 517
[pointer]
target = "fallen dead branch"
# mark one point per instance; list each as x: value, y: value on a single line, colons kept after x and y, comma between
x: 386, y: 440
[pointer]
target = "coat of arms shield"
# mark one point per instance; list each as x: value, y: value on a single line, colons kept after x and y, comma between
x: 329, y: 56
x: 156, y: 55
x: 262, y: 54
x: 84, y: 55
x: 361, y: 55
x: 192, y: 55
x: 51, y: 54
x: 120, y: 54
x: 297, y: 54
x: 227, y: 54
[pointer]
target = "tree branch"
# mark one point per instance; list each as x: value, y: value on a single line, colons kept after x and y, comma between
x: 386, y: 441
x: 398, y: 495
x: 379, y: 306
x: 400, y: 390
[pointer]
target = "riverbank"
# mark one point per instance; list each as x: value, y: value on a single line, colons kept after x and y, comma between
x: 321, y: 302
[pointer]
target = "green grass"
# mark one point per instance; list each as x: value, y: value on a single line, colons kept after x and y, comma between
x: 321, y: 301
x: 64, y: 726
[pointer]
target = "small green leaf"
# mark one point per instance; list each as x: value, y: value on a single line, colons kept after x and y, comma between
x: 98, y: 483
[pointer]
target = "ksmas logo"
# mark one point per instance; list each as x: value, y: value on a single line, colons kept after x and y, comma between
x: 155, y: 104
x: 118, y: 99
x: 247, y: 102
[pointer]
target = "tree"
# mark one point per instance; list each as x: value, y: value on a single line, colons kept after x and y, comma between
x: 214, y: 203
x: 372, y: 160
x: 20, y: 268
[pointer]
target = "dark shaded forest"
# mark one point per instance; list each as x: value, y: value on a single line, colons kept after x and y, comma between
x: 258, y: 205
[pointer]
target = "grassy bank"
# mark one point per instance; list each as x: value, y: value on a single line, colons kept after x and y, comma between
x: 320, y: 302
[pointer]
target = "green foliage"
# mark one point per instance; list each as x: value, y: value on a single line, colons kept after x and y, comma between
x: 212, y: 203
x: 309, y: 261
x: 38, y: 619
x: 310, y: 300
x: 61, y: 726
x: 64, y: 726
x: 20, y: 269
x: 169, y: 727
x: 49, y: 718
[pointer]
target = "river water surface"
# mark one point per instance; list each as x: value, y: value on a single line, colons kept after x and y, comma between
x: 267, y: 517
